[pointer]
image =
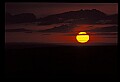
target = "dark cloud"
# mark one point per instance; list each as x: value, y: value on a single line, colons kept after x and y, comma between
x: 104, y: 29
x: 19, y: 30
x: 44, y: 9
x: 90, y: 33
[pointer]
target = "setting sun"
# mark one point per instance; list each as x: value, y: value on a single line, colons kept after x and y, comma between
x: 82, y: 37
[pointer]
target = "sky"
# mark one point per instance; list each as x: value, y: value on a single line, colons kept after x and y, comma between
x: 44, y: 9
x: 96, y: 38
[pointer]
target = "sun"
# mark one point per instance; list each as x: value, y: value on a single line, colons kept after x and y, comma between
x: 82, y: 37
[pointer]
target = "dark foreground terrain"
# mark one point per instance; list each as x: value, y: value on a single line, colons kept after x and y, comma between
x: 55, y: 61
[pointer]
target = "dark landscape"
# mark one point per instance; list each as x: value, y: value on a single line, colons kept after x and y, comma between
x: 61, y: 40
x: 92, y: 16
x: 58, y: 61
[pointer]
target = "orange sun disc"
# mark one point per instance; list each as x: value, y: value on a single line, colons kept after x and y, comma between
x: 82, y: 37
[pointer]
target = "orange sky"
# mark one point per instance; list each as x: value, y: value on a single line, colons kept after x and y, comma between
x: 44, y: 9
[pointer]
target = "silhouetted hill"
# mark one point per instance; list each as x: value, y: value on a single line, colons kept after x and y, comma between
x: 20, y: 18
x: 82, y: 15
x: 77, y: 17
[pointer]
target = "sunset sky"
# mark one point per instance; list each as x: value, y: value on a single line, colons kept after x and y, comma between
x: 44, y: 9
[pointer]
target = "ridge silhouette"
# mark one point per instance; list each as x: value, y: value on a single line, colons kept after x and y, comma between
x: 80, y: 16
